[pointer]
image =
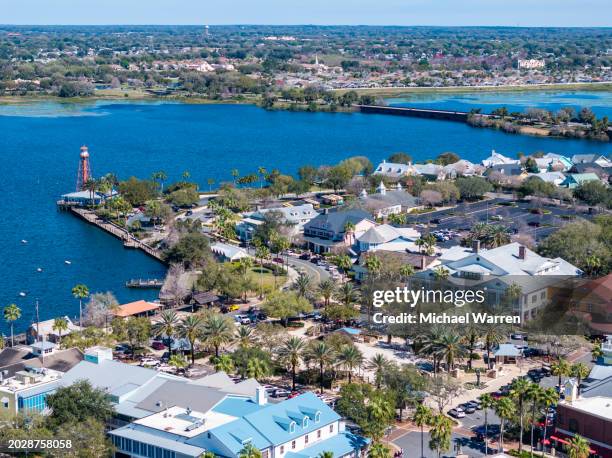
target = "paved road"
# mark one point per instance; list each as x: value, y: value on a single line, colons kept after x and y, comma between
x: 315, y: 272
x: 411, y: 443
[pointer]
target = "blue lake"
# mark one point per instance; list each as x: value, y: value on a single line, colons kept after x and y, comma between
x: 599, y: 102
x: 39, y: 148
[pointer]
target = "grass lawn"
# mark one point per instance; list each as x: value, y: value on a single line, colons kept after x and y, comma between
x: 267, y: 278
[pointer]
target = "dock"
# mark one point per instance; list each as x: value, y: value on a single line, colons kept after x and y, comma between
x: 458, y: 116
x: 129, y: 241
x: 152, y: 283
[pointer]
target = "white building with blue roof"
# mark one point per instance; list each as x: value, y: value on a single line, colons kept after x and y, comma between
x: 301, y: 427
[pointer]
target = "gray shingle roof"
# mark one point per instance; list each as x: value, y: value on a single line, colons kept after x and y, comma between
x: 335, y: 221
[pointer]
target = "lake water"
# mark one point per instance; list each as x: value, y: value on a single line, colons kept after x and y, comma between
x: 39, y: 150
x: 599, y: 102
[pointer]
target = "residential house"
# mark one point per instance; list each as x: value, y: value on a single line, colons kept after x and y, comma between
x: 599, y: 159
x: 555, y: 178
x: 385, y: 203
x: 205, y: 421
x: 434, y: 172
x: 495, y: 270
x: 44, y: 330
x: 573, y: 180
x: 293, y: 216
x: 394, y: 170
x: 603, y: 173
x: 498, y: 159
x: 328, y: 230
x: 462, y: 168
x: 565, y: 162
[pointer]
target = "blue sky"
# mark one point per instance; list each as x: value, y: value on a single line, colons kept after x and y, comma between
x: 376, y: 12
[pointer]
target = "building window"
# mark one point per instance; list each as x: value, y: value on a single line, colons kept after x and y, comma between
x: 543, y: 295
x: 282, y: 449
x: 306, y: 439
x: 573, y: 425
x: 319, y: 434
x: 292, y: 445
x: 265, y: 454
x: 331, y: 428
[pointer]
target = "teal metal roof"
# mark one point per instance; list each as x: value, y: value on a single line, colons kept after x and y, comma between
x: 340, y: 445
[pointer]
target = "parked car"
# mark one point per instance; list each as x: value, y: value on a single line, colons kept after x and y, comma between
x: 278, y: 260
x: 468, y: 407
x: 305, y: 256
x: 457, y: 412
x: 281, y: 393
x: 496, y: 218
x: 157, y: 345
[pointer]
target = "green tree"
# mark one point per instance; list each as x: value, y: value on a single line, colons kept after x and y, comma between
x: 284, y: 305
x: 137, y: 192
x: 80, y: 292
x: 190, y: 328
x: 166, y: 327
x: 217, y: 330
x: 560, y: 369
x: 579, y: 447
x: 302, y: 285
x: 249, y: 451
x: 160, y: 177
x: 440, y: 433
x: 178, y: 362
x: 379, y: 364
x: 350, y: 358
x: 60, y: 325
x: 291, y: 353
x: 224, y: 363
x: 400, y: 158
x: 78, y: 403
x: 327, y: 289
x: 505, y: 410
x: 422, y: 417
x: 11, y: 314
x: 88, y: 439
x: 594, y: 192
x: 487, y: 403
x: 257, y: 368
x: 472, y: 188
x: 379, y: 450
x: 192, y: 249
x: 519, y: 391
x: 533, y: 395
x: 323, y: 355
x: 580, y: 371
x: 138, y: 331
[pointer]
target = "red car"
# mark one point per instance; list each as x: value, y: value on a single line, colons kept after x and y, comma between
x: 156, y: 345
x: 279, y: 260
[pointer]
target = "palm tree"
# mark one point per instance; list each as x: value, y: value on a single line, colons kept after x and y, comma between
x: 249, y: 451
x: 493, y: 336
x: 580, y: 371
x: 190, y: 328
x: 324, y: 355
x: 350, y: 358
x: 548, y: 399
x: 344, y: 263
x: 379, y: 364
x: 60, y: 325
x: 291, y: 353
x: 379, y: 450
x: 224, y: 363
x: 441, y: 273
x: 235, y: 174
x: 245, y: 336
x: 406, y: 270
x: 430, y: 344
x: 498, y: 236
x: 326, y: 455
x: 11, y: 314
x: 262, y: 172
x: 216, y: 331
x: 373, y: 264
x: 166, y: 327
x: 518, y: 391
x: 505, y: 409
x: 210, y: 182
x: 450, y: 349
x: 440, y: 433
x: 327, y: 289
x: 257, y: 368
x: 422, y: 417
x: 560, y: 368
x: 534, y: 394
x: 160, y: 176
x: 80, y: 292
x: 186, y: 175
x: 178, y: 362
x: 347, y: 294
x: 472, y: 334
x: 349, y: 232
x: 262, y: 252
x: 487, y: 402
x: 579, y: 447
x: 91, y: 185
x: 302, y: 285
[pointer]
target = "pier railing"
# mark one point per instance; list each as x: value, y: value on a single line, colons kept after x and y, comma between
x: 129, y: 241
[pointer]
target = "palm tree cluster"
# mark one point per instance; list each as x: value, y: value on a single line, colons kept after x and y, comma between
x: 489, y: 235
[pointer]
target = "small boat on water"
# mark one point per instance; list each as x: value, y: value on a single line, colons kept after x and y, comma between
x: 24, y: 241
x: 22, y: 294
x: 39, y: 269
x: 67, y: 262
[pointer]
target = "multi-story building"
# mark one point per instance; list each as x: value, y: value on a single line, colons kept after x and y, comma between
x: 294, y: 217
x: 495, y: 270
x: 329, y: 230
x: 301, y: 427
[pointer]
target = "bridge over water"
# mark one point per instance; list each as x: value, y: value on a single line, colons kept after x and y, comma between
x: 459, y: 116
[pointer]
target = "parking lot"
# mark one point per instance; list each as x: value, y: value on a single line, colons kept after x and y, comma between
x: 517, y: 216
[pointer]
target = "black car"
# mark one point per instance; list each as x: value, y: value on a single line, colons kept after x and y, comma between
x: 435, y: 221
x: 305, y: 256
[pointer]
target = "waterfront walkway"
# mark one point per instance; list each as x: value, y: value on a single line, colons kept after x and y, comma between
x: 129, y: 241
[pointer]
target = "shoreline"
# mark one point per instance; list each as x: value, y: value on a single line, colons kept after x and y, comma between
x: 392, y: 92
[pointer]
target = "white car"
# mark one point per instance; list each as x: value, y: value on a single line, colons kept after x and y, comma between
x: 457, y: 412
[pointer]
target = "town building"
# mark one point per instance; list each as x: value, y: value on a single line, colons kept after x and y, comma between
x: 573, y: 180
x: 598, y: 159
x: 188, y: 426
x: 531, y: 64
x: 294, y: 217
x: 228, y: 253
x: 495, y: 270
x: 498, y: 159
x: 44, y: 330
x: 385, y: 203
x: 329, y: 230
x: 137, y: 308
x: 27, y: 376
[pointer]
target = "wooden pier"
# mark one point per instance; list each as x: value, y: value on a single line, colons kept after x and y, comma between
x: 153, y: 283
x: 129, y: 241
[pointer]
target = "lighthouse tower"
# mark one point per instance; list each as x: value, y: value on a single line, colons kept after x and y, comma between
x: 84, y: 174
